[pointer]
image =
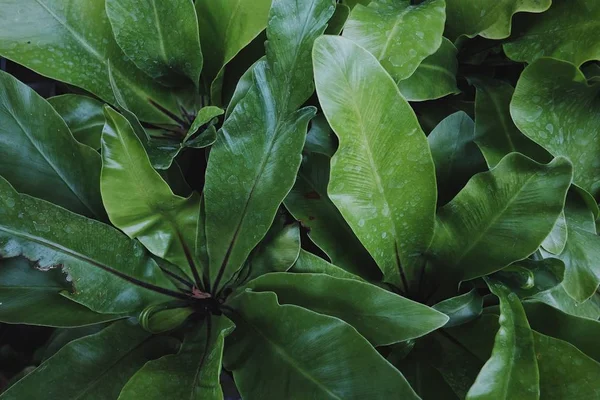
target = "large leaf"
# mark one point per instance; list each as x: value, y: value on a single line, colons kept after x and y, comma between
x: 527, y: 278
x: 565, y: 125
x: 311, y: 264
x: 580, y: 332
x: 310, y: 204
x: 193, y: 373
x: 398, y: 34
x: 304, y: 355
x: 32, y: 297
x: 455, y: 154
x: 491, y: 19
x: 556, y: 241
x: 39, y: 156
x: 226, y: 27
x: 461, y: 309
x: 382, y: 317
x: 435, y: 77
x: 148, y: 210
x: 93, y: 367
x: 558, y: 298
x: 512, y: 370
x: 382, y: 176
x: 73, y: 42
x: 160, y: 37
x: 253, y: 163
x: 565, y: 372
x: 581, y: 252
x: 566, y: 31
x: 97, y: 257
x: 501, y: 216
x: 83, y: 116
x: 495, y: 133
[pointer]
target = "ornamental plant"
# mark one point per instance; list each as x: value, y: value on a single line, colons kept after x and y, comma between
x: 384, y: 199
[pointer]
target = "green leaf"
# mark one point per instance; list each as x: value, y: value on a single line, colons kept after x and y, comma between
x: 304, y: 355
x: 382, y: 153
x: 582, y: 251
x: 193, y: 373
x: 74, y: 44
x: 277, y: 252
x: 338, y: 20
x: 435, y: 77
x: 311, y: 264
x: 96, y: 256
x: 512, y: 370
x: 526, y: 278
x: 310, y: 204
x: 93, y: 367
x: 226, y: 27
x: 39, y: 155
x: 495, y: 133
x: 428, y: 382
x: 253, y: 163
x: 558, y: 298
x: 556, y: 241
x: 456, y: 156
x: 398, y: 34
x: 245, y: 83
x: 160, y: 37
x: 580, y: 332
x: 148, y: 210
x: 565, y: 372
x: 565, y: 125
x: 320, y: 138
x: 566, y: 32
x: 382, y: 317
x: 204, y: 116
x: 461, y: 309
x: 83, y: 115
x: 30, y: 296
x: 491, y: 19
x: 500, y: 217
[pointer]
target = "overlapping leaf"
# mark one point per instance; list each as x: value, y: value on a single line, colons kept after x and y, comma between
x: 83, y: 116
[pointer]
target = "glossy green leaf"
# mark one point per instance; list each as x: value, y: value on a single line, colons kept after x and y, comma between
x: 526, y: 278
x: 556, y: 241
x: 580, y: 332
x: 204, y: 116
x: 338, y: 20
x: 512, y: 370
x: 160, y: 37
x: 320, y: 138
x: 61, y: 337
x: 565, y: 125
x: 253, y: 163
x: 565, y: 372
x: 382, y: 317
x: 491, y: 19
x: 90, y: 252
x: 226, y: 27
x: 243, y: 86
x: 581, y: 253
x: 353, y: 3
x: 305, y: 355
x: 495, y: 133
x: 74, y: 44
x: 39, y: 156
x: 558, y: 298
x: 192, y: 374
x: 566, y: 32
x: 456, y: 156
x: 277, y: 252
x: 30, y: 296
x: 165, y: 317
x: 501, y: 216
x: 398, y: 34
x: 310, y: 204
x: 83, y: 116
x: 435, y: 77
x: 461, y: 309
x: 311, y: 264
x: 93, y: 367
x: 428, y: 382
x: 148, y: 210
x: 382, y: 154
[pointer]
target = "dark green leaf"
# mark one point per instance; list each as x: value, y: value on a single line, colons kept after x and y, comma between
x: 94, y: 367
x: 311, y: 264
x: 526, y: 278
x: 338, y: 20
x: 461, y: 309
x: 83, y: 116
x: 382, y: 153
x: 559, y: 299
x: 382, y: 317
x: 556, y: 241
x: 38, y: 154
x: 304, y: 356
x: 160, y: 37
